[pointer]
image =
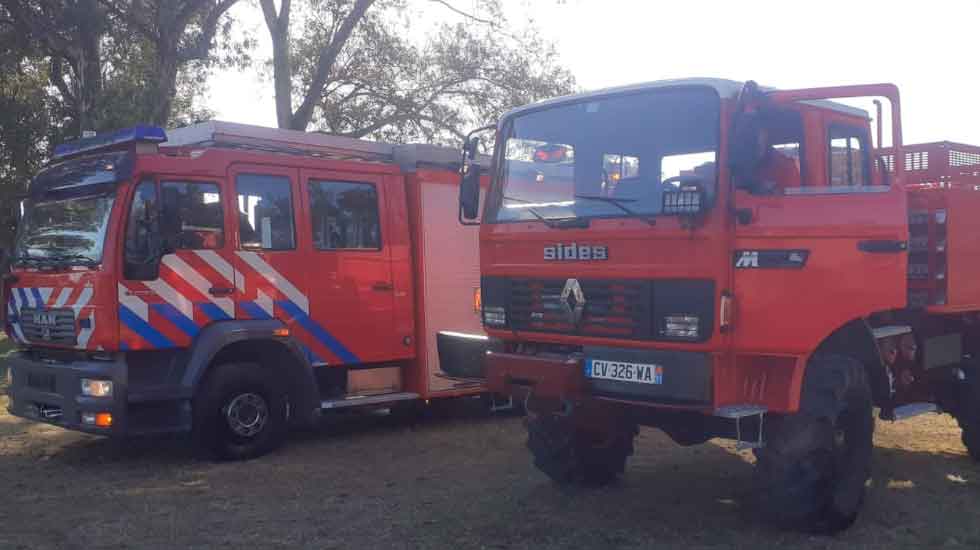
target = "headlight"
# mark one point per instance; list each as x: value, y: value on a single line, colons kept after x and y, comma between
x: 494, y: 316
x: 681, y: 326
x: 96, y: 388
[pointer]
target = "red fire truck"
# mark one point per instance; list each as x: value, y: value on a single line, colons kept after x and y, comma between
x: 231, y: 280
x: 762, y: 271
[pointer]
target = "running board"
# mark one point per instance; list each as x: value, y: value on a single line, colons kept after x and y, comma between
x: 913, y: 409
x: 365, y: 400
x: 737, y: 413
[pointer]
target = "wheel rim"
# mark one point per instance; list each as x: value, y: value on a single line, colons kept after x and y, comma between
x: 247, y: 414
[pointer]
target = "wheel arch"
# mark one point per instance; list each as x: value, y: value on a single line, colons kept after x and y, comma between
x: 856, y: 339
x: 256, y: 341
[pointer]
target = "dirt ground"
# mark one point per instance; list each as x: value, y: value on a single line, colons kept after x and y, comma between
x: 462, y: 481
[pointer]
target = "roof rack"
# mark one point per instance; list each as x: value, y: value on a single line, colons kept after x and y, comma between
x: 217, y: 133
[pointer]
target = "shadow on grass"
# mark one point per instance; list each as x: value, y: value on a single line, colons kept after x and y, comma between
x: 73, y: 448
x: 489, y: 494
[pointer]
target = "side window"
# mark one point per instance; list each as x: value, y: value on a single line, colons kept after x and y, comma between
x: 848, y: 154
x: 345, y: 216
x: 265, y: 212
x: 192, y: 214
x: 689, y: 164
x: 141, y: 226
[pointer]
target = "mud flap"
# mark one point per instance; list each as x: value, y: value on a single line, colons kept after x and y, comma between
x: 462, y: 355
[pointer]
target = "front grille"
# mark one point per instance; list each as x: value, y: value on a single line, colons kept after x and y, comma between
x: 612, y: 308
x: 48, y: 326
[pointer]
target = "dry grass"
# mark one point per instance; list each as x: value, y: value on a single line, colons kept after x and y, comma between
x: 463, y: 482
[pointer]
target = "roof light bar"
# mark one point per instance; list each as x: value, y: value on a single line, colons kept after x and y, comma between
x: 136, y: 134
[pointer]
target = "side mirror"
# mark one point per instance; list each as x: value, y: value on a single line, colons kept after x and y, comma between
x: 469, y: 185
x: 145, y: 250
x: 469, y: 193
x: 744, y: 154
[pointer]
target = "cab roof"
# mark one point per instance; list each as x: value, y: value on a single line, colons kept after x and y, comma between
x: 726, y: 89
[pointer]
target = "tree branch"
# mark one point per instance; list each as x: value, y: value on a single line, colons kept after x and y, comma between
x: 57, y: 78
x: 493, y: 25
x: 144, y: 28
x: 202, y: 46
x: 464, y: 14
x: 328, y: 56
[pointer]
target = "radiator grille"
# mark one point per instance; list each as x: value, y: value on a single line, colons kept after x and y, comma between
x: 60, y: 329
x: 612, y: 308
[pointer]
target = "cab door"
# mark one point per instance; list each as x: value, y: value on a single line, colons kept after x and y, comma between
x: 809, y: 259
x: 271, y: 275
x: 169, y: 307
x: 352, y: 287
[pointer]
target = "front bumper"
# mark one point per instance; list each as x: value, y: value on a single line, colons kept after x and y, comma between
x: 52, y: 392
x: 547, y: 376
x: 687, y: 377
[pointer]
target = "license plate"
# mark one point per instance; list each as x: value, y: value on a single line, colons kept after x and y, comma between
x: 642, y: 373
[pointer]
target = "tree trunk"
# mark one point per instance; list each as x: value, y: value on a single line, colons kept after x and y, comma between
x: 325, y: 64
x: 282, y: 74
x: 89, y: 64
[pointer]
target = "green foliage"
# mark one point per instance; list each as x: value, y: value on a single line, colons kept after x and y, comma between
x: 386, y: 85
x: 73, y: 65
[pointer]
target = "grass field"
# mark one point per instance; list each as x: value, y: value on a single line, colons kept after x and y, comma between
x: 459, y: 482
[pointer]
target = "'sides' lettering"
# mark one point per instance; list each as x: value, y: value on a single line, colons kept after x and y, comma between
x: 575, y: 252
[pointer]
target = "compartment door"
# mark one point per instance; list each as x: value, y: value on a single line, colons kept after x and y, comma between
x: 352, y: 288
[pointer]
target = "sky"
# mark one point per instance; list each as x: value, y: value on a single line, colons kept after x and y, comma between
x: 927, y: 49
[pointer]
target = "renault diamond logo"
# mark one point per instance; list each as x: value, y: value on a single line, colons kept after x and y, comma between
x: 573, y: 301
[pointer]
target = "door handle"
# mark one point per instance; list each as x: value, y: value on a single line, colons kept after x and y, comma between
x: 382, y: 286
x: 220, y: 291
x: 883, y: 246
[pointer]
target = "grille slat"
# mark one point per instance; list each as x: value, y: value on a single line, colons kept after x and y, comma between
x: 61, y: 332
x: 613, y: 308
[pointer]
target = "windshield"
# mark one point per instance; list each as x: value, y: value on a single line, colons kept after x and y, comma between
x: 606, y: 157
x: 69, y: 231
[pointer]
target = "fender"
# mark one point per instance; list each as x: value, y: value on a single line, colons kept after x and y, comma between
x: 217, y: 337
x: 855, y: 339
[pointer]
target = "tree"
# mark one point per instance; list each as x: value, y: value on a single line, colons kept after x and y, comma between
x: 142, y: 51
x: 70, y: 35
x: 73, y: 65
x: 181, y: 33
x: 353, y: 70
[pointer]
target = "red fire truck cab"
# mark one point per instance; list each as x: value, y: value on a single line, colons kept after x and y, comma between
x: 716, y: 259
x: 231, y: 280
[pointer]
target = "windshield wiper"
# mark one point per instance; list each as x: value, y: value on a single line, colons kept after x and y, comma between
x: 618, y: 203
x: 72, y: 259
x: 557, y: 223
x: 27, y: 258
x: 58, y: 260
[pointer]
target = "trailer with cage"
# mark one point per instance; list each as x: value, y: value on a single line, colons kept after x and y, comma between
x: 232, y: 280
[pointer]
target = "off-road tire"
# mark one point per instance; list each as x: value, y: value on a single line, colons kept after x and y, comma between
x: 967, y: 411
x: 247, y: 383
x: 811, y: 474
x: 568, y: 455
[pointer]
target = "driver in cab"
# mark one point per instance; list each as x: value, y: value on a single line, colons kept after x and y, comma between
x: 774, y: 172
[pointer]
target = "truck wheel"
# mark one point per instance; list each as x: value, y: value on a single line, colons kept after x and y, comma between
x: 967, y: 411
x: 569, y: 455
x: 240, y: 412
x: 812, y: 472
